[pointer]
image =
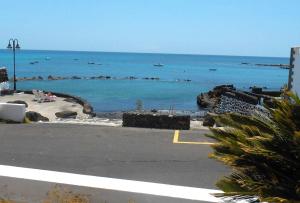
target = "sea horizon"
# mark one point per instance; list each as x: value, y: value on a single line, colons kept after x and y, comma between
x: 136, y: 52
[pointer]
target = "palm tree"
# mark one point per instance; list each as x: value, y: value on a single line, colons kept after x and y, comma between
x: 263, y: 152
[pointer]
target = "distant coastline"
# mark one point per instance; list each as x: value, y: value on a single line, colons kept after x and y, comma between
x: 283, y: 66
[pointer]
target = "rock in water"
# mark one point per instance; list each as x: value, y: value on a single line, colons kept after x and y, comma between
x: 66, y: 114
x: 75, y: 78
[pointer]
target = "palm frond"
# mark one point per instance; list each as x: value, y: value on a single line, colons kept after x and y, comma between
x: 263, y: 151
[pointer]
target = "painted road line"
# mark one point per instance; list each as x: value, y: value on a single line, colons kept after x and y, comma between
x: 176, y: 136
x: 190, y: 193
x: 177, y: 141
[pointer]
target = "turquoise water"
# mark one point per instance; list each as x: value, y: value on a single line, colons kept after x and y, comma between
x: 119, y: 94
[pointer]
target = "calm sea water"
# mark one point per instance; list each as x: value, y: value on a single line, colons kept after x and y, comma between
x: 119, y: 95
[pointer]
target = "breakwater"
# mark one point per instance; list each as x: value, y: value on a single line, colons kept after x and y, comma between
x: 282, y: 66
x: 100, y: 77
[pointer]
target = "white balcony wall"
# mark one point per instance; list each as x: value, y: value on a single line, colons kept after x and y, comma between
x: 12, y: 112
x: 296, y: 70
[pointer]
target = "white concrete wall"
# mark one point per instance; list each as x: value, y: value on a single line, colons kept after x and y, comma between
x: 12, y: 112
x: 296, y: 70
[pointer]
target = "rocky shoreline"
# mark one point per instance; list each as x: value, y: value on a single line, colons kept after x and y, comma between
x: 100, y: 77
x: 283, y: 66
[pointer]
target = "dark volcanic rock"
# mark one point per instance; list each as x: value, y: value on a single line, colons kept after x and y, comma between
x: 101, y: 77
x: 257, y: 90
x: 229, y: 94
x: 18, y: 102
x: 132, y: 78
x: 212, y: 98
x: 87, y: 109
x: 275, y: 65
x: 35, y: 116
x: 66, y: 114
x: 203, y: 100
x: 152, y: 120
x: 71, y: 100
x: 246, y: 97
x: 219, y: 90
x: 50, y: 77
x: 75, y: 78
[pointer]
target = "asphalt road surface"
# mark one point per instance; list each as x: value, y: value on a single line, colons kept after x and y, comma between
x: 124, y: 153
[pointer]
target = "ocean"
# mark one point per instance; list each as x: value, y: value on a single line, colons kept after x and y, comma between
x: 181, y: 79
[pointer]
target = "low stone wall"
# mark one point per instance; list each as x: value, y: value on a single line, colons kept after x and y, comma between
x: 232, y: 105
x: 87, y: 108
x: 151, y: 120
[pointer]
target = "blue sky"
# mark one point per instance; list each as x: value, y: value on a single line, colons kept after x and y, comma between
x: 221, y: 27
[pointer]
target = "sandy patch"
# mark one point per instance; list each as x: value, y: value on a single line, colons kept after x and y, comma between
x: 47, y: 109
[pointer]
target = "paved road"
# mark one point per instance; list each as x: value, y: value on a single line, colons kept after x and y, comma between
x: 126, y: 153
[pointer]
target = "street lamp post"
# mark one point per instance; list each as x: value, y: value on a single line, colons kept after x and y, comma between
x: 14, y: 44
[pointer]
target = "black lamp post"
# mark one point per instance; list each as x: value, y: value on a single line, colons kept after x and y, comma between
x: 14, y: 44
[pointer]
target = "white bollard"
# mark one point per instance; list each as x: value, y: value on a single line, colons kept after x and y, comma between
x: 12, y: 112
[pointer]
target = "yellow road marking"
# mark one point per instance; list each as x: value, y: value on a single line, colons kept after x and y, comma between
x: 176, y: 140
x: 176, y: 136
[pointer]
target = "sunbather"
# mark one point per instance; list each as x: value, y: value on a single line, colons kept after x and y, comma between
x: 40, y: 96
